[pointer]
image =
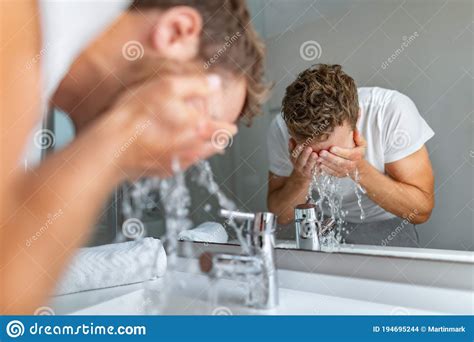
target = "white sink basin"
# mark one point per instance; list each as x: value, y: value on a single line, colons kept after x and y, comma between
x: 322, y: 295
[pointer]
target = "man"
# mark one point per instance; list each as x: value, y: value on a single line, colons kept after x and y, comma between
x: 133, y: 116
x: 374, y: 135
x: 202, y: 36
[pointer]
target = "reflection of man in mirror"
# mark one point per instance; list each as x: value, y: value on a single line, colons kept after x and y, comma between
x: 374, y: 134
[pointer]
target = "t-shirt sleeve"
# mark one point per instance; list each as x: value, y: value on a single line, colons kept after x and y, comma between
x: 278, y: 155
x: 405, y: 130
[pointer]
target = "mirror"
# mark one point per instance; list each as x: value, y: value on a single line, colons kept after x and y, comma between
x: 412, y: 65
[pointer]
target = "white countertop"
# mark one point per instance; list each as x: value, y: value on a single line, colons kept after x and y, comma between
x: 300, y: 294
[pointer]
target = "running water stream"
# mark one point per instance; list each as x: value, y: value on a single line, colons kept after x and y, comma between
x: 205, y: 178
x: 176, y: 200
x: 359, y: 191
x: 330, y: 197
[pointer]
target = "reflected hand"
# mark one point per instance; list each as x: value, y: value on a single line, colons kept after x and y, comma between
x: 159, y: 123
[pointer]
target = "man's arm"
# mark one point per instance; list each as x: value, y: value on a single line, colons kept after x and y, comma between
x: 406, y: 190
x: 48, y: 212
x: 284, y: 193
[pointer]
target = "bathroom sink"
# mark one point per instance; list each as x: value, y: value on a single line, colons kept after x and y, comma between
x: 136, y: 302
x: 300, y: 294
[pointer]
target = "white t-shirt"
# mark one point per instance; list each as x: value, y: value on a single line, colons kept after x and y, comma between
x: 393, y: 128
x: 67, y: 27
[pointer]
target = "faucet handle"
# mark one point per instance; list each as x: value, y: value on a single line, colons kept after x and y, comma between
x: 236, y: 215
x: 256, y: 223
x: 306, y: 211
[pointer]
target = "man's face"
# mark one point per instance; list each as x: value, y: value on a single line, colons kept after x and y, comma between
x: 231, y: 103
x: 342, y: 136
x: 175, y: 37
x: 227, y: 104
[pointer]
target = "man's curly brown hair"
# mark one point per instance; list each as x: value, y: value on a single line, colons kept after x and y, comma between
x: 320, y: 99
x: 229, y: 42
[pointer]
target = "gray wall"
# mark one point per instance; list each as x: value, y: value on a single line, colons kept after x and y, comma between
x: 435, y: 70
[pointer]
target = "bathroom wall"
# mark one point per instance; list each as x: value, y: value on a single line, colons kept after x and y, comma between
x: 435, y: 70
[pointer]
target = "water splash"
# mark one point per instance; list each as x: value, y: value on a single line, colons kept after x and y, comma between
x: 204, y: 177
x: 329, y: 196
x: 329, y: 204
x: 176, y: 201
x: 359, y: 191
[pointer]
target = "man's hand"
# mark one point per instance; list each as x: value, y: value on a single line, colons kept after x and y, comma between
x: 159, y: 124
x: 342, y: 162
x: 303, y: 159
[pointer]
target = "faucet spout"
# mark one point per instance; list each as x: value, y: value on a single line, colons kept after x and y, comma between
x: 236, y: 215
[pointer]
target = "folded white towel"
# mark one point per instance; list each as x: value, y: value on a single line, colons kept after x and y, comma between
x: 113, y: 265
x: 211, y: 232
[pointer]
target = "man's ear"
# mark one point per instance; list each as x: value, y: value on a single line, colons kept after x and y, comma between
x: 176, y: 35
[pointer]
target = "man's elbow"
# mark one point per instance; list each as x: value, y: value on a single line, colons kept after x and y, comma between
x: 423, y: 213
x: 282, y: 218
x: 421, y: 218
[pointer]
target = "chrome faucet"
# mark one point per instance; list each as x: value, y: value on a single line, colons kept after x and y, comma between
x: 258, y: 263
x: 309, y: 230
x: 306, y: 225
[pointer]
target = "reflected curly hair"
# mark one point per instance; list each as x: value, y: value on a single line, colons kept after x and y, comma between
x: 229, y: 42
x: 320, y: 99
